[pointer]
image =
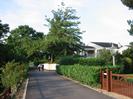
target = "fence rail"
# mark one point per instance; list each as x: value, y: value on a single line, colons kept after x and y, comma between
x: 117, y: 83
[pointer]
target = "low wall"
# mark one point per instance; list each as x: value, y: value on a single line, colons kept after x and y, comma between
x: 50, y: 66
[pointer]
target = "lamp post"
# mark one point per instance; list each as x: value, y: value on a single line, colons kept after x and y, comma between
x: 113, y: 52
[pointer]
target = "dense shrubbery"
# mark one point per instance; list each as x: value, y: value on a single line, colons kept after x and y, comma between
x: 84, y: 74
x: 67, y: 60
x: 91, y: 61
x: 13, y: 74
x: 89, y: 75
x: 105, y: 55
x: 70, y: 60
x: 128, y: 60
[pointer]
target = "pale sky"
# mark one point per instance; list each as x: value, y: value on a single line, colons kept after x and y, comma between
x: 103, y: 20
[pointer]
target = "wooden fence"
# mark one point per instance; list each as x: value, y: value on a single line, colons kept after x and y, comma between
x: 117, y: 83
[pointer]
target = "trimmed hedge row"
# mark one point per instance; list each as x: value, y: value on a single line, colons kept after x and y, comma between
x: 70, y: 60
x: 89, y: 75
x: 91, y: 61
x: 84, y: 74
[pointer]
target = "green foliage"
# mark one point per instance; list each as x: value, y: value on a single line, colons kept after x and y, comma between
x: 4, y: 49
x: 91, y: 61
x: 84, y: 74
x: 67, y: 60
x: 70, y: 60
x: 128, y: 3
x: 106, y: 56
x: 64, y: 34
x: 25, y: 42
x: 131, y: 27
x: 128, y: 65
x: 5, y: 54
x: 118, y: 58
x: 4, y: 29
x: 130, y: 80
x: 128, y: 53
x: 127, y: 60
x: 12, y: 74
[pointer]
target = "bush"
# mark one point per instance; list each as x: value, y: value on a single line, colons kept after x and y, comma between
x: 70, y: 60
x: 128, y: 65
x: 84, y: 74
x: 67, y: 60
x: 105, y: 55
x: 13, y: 74
x: 89, y: 75
x: 91, y: 61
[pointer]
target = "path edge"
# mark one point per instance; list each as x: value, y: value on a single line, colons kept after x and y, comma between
x: 25, y: 89
x: 111, y: 94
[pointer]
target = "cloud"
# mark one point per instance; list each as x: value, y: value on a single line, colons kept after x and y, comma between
x: 30, y: 12
x: 102, y: 20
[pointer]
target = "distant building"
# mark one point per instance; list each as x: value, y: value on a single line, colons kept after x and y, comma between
x: 125, y: 47
x: 93, y: 49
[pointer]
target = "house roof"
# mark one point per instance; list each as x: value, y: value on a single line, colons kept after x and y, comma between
x: 106, y: 44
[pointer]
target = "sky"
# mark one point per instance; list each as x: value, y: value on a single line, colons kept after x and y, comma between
x: 102, y: 20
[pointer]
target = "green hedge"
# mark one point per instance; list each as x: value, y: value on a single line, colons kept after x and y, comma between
x: 89, y: 75
x: 91, y: 61
x: 84, y: 74
x: 13, y: 74
x: 70, y: 60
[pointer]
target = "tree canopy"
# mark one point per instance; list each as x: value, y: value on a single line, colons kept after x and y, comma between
x: 4, y: 29
x: 129, y: 3
x: 25, y: 41
x: 4, y: 49
x: 64, y: 37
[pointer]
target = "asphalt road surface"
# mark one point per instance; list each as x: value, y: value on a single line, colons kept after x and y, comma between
x: 49, y: 85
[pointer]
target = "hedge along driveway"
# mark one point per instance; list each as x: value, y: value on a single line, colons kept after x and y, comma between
x: 49, y: 85
x: 89, y: 75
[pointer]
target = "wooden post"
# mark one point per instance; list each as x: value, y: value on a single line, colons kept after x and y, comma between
x: 102, y: 78
x: 109, y: 80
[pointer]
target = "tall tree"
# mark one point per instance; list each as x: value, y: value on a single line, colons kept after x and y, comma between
x: 24, y: 41
x: 64, y: 37
x: 129, y: 3
x: 4, y: 49
x: 4, y: 29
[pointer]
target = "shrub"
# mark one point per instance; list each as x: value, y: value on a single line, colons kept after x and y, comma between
x: 105, y: 55
x: 67, y: 60
x: 91, y: 61
x: 70, y: 60
x: 128, y: 65
x: 89, y: 75
x: 84, y: 74
x: 13, y: 74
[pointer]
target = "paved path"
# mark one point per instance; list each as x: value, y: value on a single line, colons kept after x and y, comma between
x: 49, y: 85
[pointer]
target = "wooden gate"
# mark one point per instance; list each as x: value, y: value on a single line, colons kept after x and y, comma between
x: 118, y: 83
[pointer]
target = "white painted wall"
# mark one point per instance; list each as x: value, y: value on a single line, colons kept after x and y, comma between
x: 122, y: 49
x: 48, y: 66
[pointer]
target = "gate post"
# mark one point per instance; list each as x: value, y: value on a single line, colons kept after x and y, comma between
x: 107, y: 77
x: 109, y: 80
x: 102, y: 78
